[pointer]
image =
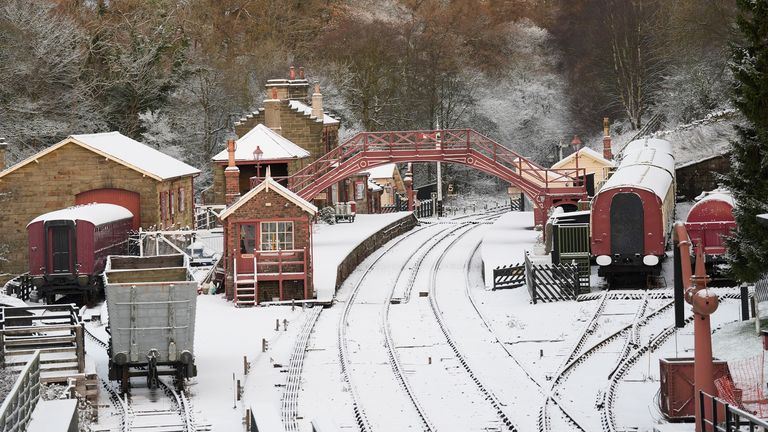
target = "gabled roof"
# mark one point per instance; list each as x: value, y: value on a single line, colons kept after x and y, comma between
x: 270, y: 184
x: 583, y: 152
x: 123, y: 150
x: 273, y: 146
x: 382, y: 171
x: 307, y: 110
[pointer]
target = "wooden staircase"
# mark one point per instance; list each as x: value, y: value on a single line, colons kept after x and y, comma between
x: 245, y: 286
x: 55, y: 330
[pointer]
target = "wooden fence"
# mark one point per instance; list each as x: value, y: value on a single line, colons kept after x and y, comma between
x: 511, y: 276
x: 552, y: 282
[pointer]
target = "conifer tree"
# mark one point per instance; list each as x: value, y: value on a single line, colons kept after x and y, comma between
x: 748, y: 178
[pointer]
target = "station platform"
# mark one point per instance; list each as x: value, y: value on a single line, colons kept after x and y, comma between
x: 332, y: 243
x: 506, y: 241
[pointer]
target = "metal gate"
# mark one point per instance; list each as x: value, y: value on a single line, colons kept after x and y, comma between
x: 571, y: 244
x: 552, y: 282
x: 511, y: 276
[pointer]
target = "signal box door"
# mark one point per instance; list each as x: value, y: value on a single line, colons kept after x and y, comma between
x: 61, y: 249
x: 247, y: 234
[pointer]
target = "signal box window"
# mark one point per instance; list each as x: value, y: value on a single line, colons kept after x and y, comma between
x: 247, y: 238
x: 276, y: 236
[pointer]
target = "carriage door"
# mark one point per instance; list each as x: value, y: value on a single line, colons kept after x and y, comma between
x: 61, y: 250
x: 627, y: 226
x: 247, y: 245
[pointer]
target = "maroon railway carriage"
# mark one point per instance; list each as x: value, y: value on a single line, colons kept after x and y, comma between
x: 711, y: 220
x: 632, y: 212
x: 68, y: 248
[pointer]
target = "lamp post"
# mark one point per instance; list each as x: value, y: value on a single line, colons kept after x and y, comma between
x: 576, y: 144
x: 257, y: 156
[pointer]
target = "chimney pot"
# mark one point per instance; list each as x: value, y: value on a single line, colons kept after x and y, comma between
x: 301, y: 72
x: 292, y: 73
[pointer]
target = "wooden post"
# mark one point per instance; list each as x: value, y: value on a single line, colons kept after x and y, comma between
x: 245, y: 365
x: 80, y: 343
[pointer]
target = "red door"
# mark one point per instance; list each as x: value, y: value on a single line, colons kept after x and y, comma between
x: 247, y: 234
x: 121, y: 197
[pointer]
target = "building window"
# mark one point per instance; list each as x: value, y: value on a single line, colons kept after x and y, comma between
x: 163, y: 207
x: 247, y: 238
x: 181, y: 201
x: 276, y: 236
x: 171, y: 202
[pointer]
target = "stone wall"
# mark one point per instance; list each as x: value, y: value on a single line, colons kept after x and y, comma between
x: 52, y: 182
x: 371, y: 244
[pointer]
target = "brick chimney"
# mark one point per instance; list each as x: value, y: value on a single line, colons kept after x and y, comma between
x: 231, y: 175
x: 3, y: 151
x: 298, y: 87
x: 607, y: 153
x: 317, y: 103
x: 272, y: 112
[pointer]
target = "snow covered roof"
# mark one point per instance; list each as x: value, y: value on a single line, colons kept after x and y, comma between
x: 270, y: 184
x: 374, y: 187
x: 716, y: 195
x: 273, y: 146
x: 125, y: 151
x: 96, y: 213
x: 382, y: 171
x: 646, y: 164
x: 584, y: 151
x: 307, y: 110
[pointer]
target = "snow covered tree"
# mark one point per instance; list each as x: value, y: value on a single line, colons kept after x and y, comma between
x: 748, y: 179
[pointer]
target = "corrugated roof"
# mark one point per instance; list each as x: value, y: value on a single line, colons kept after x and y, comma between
x: 123, y: 150
x: 273, y: 146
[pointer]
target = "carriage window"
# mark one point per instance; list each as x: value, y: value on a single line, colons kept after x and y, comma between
x: 276, y: 236
x: 247, y: 238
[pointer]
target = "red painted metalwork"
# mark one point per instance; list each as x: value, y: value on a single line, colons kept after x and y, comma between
x: 709, y: 222
x: 704, y: 303
x: 125, y: 198
x: 546, y: 188
x: 653, y: 221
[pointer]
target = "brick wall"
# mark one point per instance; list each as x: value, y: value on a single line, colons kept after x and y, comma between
x: 257, y: 210
x: 697, y: 178
x: 53, y: 181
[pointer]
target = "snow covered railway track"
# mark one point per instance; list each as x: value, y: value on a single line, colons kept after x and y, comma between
x: 139, y: 410
x: 579, y: 355
x: 489, y: 396
x: 361, y: 417
x: 289, y: 404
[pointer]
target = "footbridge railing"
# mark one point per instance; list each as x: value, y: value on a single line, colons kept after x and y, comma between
x: 545, y: 187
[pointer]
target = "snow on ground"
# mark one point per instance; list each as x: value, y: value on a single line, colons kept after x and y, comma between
x: 506, y: 241
x: 332, y: 243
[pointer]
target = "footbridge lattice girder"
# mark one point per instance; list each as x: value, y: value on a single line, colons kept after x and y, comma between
x: 545, y: 187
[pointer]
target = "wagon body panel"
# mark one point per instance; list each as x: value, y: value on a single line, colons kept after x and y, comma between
x: 151, y: 309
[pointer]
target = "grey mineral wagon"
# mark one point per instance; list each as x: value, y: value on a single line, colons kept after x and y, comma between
x: 151, y: 303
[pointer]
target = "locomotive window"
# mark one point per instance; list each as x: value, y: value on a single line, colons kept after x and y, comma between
x: 247, y: 238
x: 276, y: 236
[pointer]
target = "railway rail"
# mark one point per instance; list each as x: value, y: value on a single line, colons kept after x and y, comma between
x: 289, y: 404
x: 139, y: 410
x: 415, y: 261
x: 363, y: 423
x: 489, y: 395
x: 579, y: 354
